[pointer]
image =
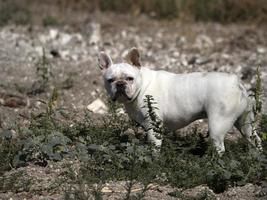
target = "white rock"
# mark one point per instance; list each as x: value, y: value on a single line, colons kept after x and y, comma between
x: 181, y: 41
x: 176, y: 54
x: 97, y: 106
x: 261, y: 50
x: 203, y: 41
x: 219, y: 40
x: 65, y: 38
x: 53, y: 33
x: 93, y: 93
x: 65, y: 54
x: 43, y: 38
x: 124, y: 34
x: 95, y: 34
x: 120, y: 111
x: 2, y: 101
x: 238, y: 69
x: 79, y: 37
x: 39, y: 50
x: 183, y: 60
x: 225, y: 56
x: 75, y: 57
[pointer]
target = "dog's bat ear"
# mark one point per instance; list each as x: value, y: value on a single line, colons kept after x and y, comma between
x: 104, y: 60
x: 133, y: 57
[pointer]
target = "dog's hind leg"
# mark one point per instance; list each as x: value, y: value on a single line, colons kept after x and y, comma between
x: 218, y: 128
x: 245, y: 125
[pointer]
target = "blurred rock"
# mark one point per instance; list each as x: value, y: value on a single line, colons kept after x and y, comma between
x: 247, y: 73
x: 55, y: 53
x: 98, y: 106
x: 203, y: 61
x: 39, y: 50
x: 261, y: 50
x: 203, y: 41
x: 121, y: 111
x: 13, y: 101
x: 180, y: 41
x: 64, y: 38
x: 192, y: 60
x: 95, y: 33
x: 53, y: 33
x: 198, y: 191
x: 65, y: 54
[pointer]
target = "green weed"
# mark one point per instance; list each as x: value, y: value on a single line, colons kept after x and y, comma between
x: 17, y: 182
x: 50, y: 21
x: 224, y: 11
x: 44, y: 75
x: 203, y: 195
x: 11, y: 11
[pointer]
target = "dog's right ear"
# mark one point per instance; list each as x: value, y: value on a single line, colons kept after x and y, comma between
x: 133, y: 57
x: 104, y: 60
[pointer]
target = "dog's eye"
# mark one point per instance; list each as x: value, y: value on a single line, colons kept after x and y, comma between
x: 129, y: 78
x: 110, y: 80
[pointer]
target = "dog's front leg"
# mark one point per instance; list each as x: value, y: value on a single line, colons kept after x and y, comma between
x: 154, y: 138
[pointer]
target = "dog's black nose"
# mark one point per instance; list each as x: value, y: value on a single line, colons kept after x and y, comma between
x: 120, y: 84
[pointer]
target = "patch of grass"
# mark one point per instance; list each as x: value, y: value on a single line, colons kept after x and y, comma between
x: 203, y: 195
x: 167, y: 9
x: 44, y: 75
x: 68, y: 83
x: 50, y: 21
x: 225, y: 11
x: 44, y: 71
x: 117, y: 5
x: 8, y: 149
x: 17, y: 182
x: 263, y: 127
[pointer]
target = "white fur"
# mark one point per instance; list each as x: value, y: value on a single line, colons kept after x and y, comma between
x: 184, y: 98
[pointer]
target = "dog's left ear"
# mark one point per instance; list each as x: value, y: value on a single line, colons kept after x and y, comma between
x: 133, y: 57
x: 104, y: 60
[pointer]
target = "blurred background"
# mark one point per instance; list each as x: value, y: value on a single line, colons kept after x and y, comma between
x: 51, y: 11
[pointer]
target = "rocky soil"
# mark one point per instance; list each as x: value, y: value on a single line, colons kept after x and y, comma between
x: 39, y: 183
x: 72, y: 51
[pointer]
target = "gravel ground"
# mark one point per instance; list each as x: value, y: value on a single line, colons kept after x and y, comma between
x: 46, y: 183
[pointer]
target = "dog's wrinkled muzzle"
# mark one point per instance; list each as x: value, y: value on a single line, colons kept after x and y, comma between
x: 121, y: 96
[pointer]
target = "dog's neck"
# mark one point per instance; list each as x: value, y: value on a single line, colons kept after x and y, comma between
x: 139, y: 96
x: 135, y: 108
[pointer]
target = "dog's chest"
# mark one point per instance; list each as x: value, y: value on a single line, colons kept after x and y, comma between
x: 136, y: 112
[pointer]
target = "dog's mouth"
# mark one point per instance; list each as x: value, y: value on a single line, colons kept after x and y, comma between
x: 115, y: 99
x: 121, y: 96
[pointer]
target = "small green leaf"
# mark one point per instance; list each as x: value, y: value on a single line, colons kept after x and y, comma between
x: 227, y: 175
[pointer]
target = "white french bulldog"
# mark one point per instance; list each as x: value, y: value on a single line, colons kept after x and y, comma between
x: 181, y: 98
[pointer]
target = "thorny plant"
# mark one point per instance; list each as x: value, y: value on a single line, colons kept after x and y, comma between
x: 259, y: 119
x: 155, y: 122
x: 43, y: 73
x: 257, y: 108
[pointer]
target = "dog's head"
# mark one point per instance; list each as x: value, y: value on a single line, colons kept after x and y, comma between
x: 122, y: 80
